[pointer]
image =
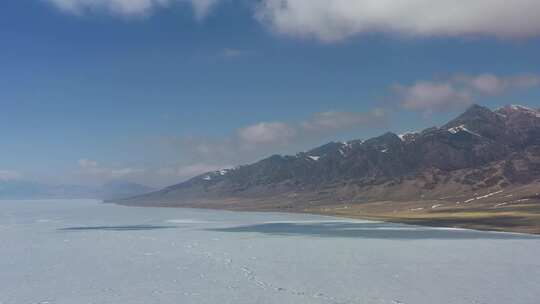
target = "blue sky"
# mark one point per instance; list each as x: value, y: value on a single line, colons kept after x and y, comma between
x: 156, y: 91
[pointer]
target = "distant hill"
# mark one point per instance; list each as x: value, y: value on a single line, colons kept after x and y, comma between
x: 121, y: 189
x: 20, y: 189
x: 480, y: 151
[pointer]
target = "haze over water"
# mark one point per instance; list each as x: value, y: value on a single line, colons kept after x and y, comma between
x: 82, y: 251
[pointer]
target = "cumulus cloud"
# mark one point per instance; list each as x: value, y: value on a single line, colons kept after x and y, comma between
x: 339, y: 19
x: 6, y: 175
x: 119, y: 7
x: 130, y: 8
x: 323, y: 123
x: 266, y: 133
x: 271, y: 134
x: 493, y: 84
x: 201, y: 8
x: 428, y: 95
x: 458, y: 91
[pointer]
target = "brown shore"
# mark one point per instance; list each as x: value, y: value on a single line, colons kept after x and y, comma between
x: 512, y: 209
x: 519, y: 216
x: 522, y: 218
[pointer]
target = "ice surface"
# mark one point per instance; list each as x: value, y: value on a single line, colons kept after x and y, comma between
x: 66, y: 252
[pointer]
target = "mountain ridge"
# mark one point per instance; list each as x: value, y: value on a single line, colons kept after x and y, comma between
x: 480, y: 151
x: 23, y: 189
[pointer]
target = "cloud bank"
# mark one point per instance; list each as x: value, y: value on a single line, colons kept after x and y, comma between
x: 458, y: 91
x: 338, y: 19
x: 318, y: 125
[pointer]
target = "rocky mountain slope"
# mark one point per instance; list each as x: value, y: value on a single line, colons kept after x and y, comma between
x: 481, y: 151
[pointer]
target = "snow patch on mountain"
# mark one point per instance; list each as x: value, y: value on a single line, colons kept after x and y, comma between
x: 462, y: 128
x: 403, y: 136
x: 315, y: 158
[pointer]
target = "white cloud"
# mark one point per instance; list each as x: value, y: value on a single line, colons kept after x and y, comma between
x: 427, y: 95
x: 319, y: 124
x: 266, y: 133
x: 119, y: 7
x: 459, y: 91
x: 201, y: 8
x: 492, y: 84
x: 7, y: 175
x: 338, y: 19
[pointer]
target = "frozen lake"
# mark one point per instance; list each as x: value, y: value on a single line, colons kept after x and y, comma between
x: 78, y: 252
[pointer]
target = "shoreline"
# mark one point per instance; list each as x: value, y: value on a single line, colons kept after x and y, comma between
x: 506, y: 222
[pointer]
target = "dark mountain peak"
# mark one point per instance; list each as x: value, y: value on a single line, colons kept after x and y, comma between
x: 479, y: 120
x: 476, y: 112
x: 387, y: 139
x: 274, y: 158
x: 476, y: 108
x: 327, y: 149
x: 473, y: 114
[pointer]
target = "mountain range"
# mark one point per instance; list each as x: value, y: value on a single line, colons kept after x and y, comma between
x: 479, y: 151
x: 23, y: 189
